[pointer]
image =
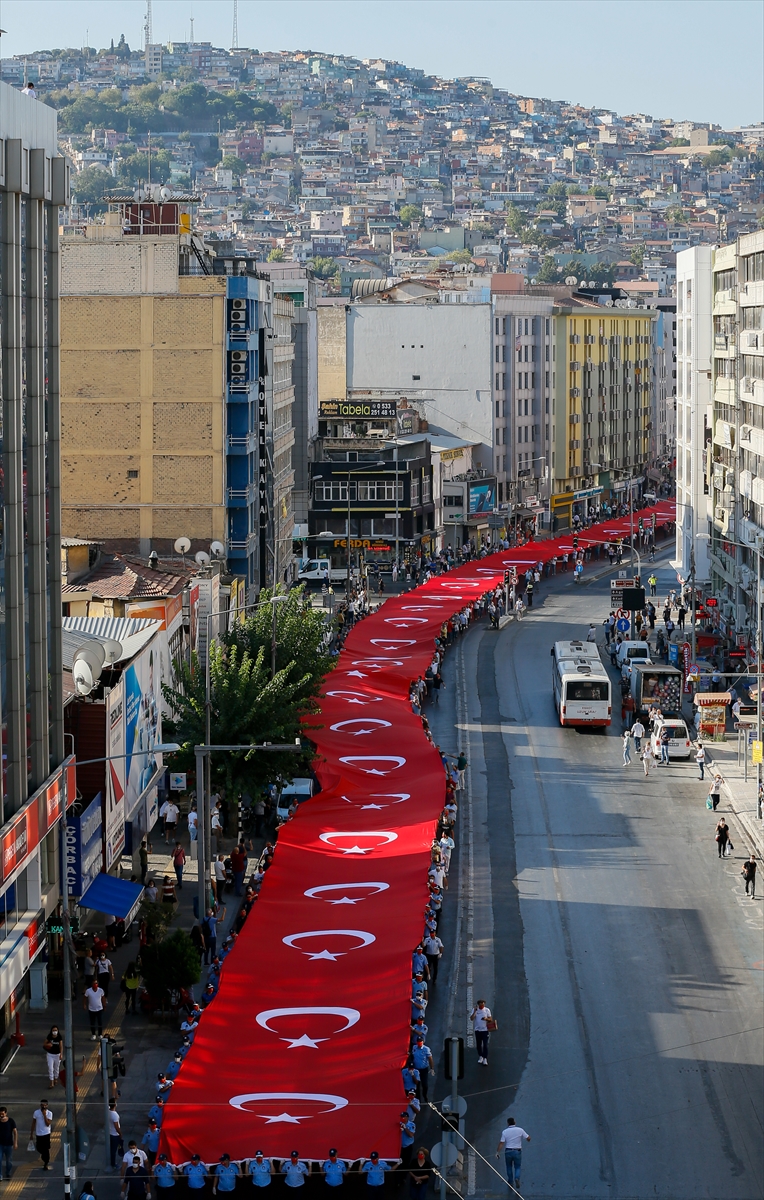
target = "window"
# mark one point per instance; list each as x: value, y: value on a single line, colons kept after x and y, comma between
x: 546, y: 379
x: 519, y: 354
x: 753, y: 366
x: 426, y: 488
x: 497, y: 326
x: 546, y: 354
x: 132, y: 474
x: 526, y: 406
x: 752, y: 317
x: 414, y: 492
x: 546, y: 326
x: 382, y: 489
x: 519, y: 408
x: 680, y: 296
x: 327, y: 490
x: 724, y: 281
x: 526, y: 325
x: 519, y: 326
x: 525, y: 353
x: 497, y: 354
x: 504, y: 354
x: 504, y: 325
x: 688, y: 337
x: 498, y: 377
x: 753, y: 267
x: 586, y: 691
x: 533, y: 380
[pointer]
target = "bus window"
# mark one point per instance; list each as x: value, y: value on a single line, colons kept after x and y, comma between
x: 586, y: 691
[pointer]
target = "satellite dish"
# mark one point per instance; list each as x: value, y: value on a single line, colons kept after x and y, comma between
x: 83, y: 678
x: 112, y: 648
x: 218, y: 549
x: 631, y: 304
x: 609, y: 302
x: 202, y: 558
x: 571, y: 280
x: 592, y: 283
x: 182, y: 545
x: 92, y: 653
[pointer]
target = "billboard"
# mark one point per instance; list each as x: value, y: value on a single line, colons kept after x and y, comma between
x: 367, y: 410
x: 482, y: 496
x: 84, y: 852
x: 142, y: 723
x: 114, y: 803
x: 21, y: 835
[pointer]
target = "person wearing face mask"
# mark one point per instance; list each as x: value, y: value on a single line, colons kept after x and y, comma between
x: 53, y: 1047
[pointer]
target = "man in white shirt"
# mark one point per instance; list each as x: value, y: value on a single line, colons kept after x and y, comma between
x: 433, y: 948
x: 480, y: 1016
x: 42, y: 1119
x: 94, y: 1001
x: 131, y: 1153
x: 171, y: 813
x: 512, y: 1141
x: 638, y: 732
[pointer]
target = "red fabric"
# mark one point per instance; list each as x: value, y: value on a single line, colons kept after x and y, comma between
x: 349, y: 875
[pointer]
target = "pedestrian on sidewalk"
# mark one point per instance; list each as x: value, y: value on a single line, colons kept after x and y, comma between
x: 648, y: 759
x: 53, y: 1047
x: 480, y: 1017
x: 135, y: 1183
x: 9, y: 1140
x: 512, y: 1141
x: 748, y: 871
x: 116, y: 1145
x: 171, y: 814
x: 143, y: 860
x: 626, y: 747
x: 665, y: 738
x: 104, y: 972
x: 700, y: 759
x: 722, y: 837
x: 239, y: 868
x: 715, y: 791
x: 42, y: 1119
x: 168, y: 891
x: 638, y: 732
x: 179, y: 862
x: 131, y: 981
x: 94, y: 1001
x: 461, y: 766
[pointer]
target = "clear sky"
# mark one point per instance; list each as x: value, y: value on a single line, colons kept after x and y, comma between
x: 688, y: 59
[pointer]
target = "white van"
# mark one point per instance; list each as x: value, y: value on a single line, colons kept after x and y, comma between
x: 320, y: 570
x: 631, y: 652
x: 293, y: 793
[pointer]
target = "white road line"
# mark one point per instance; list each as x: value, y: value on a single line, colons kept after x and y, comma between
x: 469, y: 857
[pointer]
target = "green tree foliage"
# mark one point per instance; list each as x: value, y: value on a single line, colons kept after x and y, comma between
x: 191, y: 107
x: 90, y: 186
x: 675, y: 143
x: 637, y: 255
x: 515, y: 219
x: 409, y: 213
x: 247, y: 706
x: 718, y: 158
x: 230, y: 162
x: 455, y: 256
x: 324, y: 268
x: 548, y: 272
x: 134, y: 168
x: 170, y: 964
x: 276, y: 255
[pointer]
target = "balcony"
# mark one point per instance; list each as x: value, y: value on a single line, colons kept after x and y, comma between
x: 241, y: 497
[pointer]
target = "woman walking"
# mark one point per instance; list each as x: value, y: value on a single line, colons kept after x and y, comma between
x: 130, y: 983
x: 722, y: 837
x: 53, y: 1047
x: 626, y: 747
x: 716, y: 791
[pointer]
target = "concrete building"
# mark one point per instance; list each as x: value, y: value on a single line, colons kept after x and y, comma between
x: 33, y: 184
x: 694, y: 416
x: 166, y: 431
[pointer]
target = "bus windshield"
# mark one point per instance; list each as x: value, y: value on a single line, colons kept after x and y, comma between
x: 584, y: 690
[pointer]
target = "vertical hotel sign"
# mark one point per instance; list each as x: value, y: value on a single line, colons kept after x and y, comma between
x: 114, y: 804
x: 21, y: 836
x: 262, y: 455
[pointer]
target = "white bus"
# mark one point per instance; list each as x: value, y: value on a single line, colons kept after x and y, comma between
x: 580, y: 684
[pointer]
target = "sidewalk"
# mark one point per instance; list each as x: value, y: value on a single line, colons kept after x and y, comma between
x: 149, y: 1042
x: 722, y: 756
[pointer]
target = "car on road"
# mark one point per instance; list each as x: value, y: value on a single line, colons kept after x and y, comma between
x: 630, y: 652
x: 680, y: 745
x: 291, y: 796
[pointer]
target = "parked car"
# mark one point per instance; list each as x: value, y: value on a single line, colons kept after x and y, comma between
x: 292, y: 794
x: 680, y: 745
x: 630, y: 652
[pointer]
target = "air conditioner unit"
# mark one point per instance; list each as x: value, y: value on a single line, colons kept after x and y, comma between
x: 729, y: 480
x: 745, y: 433
x: 575, y: 418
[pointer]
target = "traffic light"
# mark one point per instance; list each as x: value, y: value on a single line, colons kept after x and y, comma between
x: 641, y: 524
x: 447, y: 1057
x: 108, y: 1053
x: 575, y: 543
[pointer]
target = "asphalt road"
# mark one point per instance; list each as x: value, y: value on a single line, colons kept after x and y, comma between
x: 619, y: 954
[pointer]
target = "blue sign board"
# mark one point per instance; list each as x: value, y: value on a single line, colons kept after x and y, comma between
x: 622, y: 625
x: 84, y: 847
x: 673, y: 656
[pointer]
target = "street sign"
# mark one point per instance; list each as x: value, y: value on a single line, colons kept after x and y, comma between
x: 436, y: 1154
x: 461, y: 1106
x: 616, y: 591
x: 756, y: 752
x: 622, y: 625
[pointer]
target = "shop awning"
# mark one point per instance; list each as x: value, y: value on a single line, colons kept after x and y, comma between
x: 704, y: 698
x: 107, y: 894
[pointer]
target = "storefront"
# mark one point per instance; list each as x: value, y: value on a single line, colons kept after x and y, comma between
x: 29, y: 881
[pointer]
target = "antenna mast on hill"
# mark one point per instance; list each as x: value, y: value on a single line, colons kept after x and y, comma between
x: 148, y: 26
x: 235, y: 38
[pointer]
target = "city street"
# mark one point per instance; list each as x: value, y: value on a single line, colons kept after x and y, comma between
x: 618, y: 953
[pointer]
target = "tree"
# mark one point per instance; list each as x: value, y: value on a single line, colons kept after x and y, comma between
x: 170, y: 965
x: 324, y: 268
x: 637, y: 255
x: 548, y: 272
x: 718, y: 158
x: 247, y: 706
x: 90, y: 186
x: 677, y: 216
x: 455, y: 256
x: 276, y: 255
x: 229, y: 162
x: 135, y: 168
x: 515, y: 219
x: 409, y: 213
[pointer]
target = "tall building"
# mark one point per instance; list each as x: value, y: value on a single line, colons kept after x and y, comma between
x: 694, y: 416
x: 33, y: 184
x: 167, y: 395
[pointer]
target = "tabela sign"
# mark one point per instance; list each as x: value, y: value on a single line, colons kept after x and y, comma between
x: 177, y: 781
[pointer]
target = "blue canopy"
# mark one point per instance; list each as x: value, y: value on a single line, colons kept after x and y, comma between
x: 107, y: 894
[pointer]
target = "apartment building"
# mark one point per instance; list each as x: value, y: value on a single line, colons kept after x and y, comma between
x: 168, y: 431
x: 694, y: 416
x: 737, y: 466
x: 37, y: 782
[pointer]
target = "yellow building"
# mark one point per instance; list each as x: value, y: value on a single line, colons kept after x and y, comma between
x: 166, y: 431
x: 602, y: 409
